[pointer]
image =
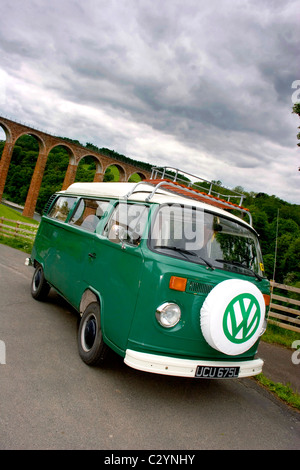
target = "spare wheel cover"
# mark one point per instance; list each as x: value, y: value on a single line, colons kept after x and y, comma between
x: 232, y: 316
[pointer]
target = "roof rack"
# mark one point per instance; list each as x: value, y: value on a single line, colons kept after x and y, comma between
x: 193, y: 187
x: 190, y: 180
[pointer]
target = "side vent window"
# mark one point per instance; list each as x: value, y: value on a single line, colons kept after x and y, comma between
x: 48, y: 205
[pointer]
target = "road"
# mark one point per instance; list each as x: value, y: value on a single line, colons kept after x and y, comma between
x: 51, y: 400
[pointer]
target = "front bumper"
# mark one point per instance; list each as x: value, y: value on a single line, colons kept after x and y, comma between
x: 185, y: 367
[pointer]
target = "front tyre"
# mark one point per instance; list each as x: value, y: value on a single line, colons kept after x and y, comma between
x: 39, y: 286
x: 91, y: 346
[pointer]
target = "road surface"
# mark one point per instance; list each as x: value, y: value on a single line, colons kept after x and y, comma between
x: 49, y: 399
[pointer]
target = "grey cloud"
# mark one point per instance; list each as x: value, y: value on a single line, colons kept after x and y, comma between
x: 215, y: 76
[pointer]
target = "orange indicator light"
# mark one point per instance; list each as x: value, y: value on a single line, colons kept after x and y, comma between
x: 267, y: 299
x: 178, y: 283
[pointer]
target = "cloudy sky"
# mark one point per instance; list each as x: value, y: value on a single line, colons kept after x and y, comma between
x: 206, y: 86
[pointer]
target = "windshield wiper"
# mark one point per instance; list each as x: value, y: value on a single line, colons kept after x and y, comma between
x: 240, y: 265
x: 185, y: 252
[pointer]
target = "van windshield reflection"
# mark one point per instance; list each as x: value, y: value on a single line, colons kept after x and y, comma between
x: 206, y: 238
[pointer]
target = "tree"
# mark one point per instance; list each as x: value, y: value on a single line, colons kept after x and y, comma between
x: 296, y: 110
x: 291, y: 261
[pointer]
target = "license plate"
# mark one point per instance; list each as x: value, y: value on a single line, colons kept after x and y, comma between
x: 211, y: 372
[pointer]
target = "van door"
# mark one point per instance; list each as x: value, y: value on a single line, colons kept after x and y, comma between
x: 72, y: 243
x: 114, y: 270
x: 54, y: 241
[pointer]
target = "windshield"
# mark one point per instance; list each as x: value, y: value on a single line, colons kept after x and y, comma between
x: 206, y: 238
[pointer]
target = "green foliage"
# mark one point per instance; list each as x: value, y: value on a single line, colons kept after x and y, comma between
x: 296, y: 110
x: 264, y: 208
x: 12, y: 214
x: 284, y: 392
x: 278, y: 335
x: 17, y: 243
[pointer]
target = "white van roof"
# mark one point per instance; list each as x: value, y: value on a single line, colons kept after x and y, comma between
x: 146, y: 192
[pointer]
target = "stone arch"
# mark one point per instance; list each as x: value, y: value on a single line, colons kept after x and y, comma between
x: 141, y: 176
x: 17, y: 185
x: 98, y: 161
x: 5, y: 137
x: 6, y: 155
x: 67, y: 147
x: 7, y: 132
x: 98, y: 175
x: 72, y: 165
x: 59, y: 156
x: 38, y: 137
x: 122, y: 174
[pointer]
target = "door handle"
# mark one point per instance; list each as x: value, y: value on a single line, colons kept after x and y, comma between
x: 92, y: 255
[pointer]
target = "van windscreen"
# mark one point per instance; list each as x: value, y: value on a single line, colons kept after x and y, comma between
x: 202, y: 237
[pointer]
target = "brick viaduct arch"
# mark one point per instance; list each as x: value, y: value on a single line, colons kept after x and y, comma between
x: 47, y: 142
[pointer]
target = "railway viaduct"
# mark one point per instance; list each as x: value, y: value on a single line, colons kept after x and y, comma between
x: 13, y: 130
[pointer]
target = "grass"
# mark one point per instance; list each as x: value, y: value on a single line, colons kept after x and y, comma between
x: 276, y: 334
x: 16, y: 242
x: 10, y: 213
x: 284, y: 392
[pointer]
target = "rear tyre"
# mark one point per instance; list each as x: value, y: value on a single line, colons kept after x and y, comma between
x: 91, y: 346
x: 39, y: 286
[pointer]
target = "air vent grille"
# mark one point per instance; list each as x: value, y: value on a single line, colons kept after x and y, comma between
x: 47, y: 206
x: 196, y: 287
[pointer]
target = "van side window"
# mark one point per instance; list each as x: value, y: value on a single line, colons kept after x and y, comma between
x: 127, y: 223
x: 88, y: 213
x: 61, y: 208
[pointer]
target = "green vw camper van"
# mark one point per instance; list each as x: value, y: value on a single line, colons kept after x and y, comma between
x: 165, y: 274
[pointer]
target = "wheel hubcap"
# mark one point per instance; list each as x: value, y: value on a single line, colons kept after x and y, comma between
x: 37, y: 279
x: 89, y: 333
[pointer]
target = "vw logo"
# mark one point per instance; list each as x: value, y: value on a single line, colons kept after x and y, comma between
x: 241, y: 318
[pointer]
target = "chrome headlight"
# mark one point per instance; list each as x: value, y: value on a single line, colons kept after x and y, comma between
x: 168, y: 314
